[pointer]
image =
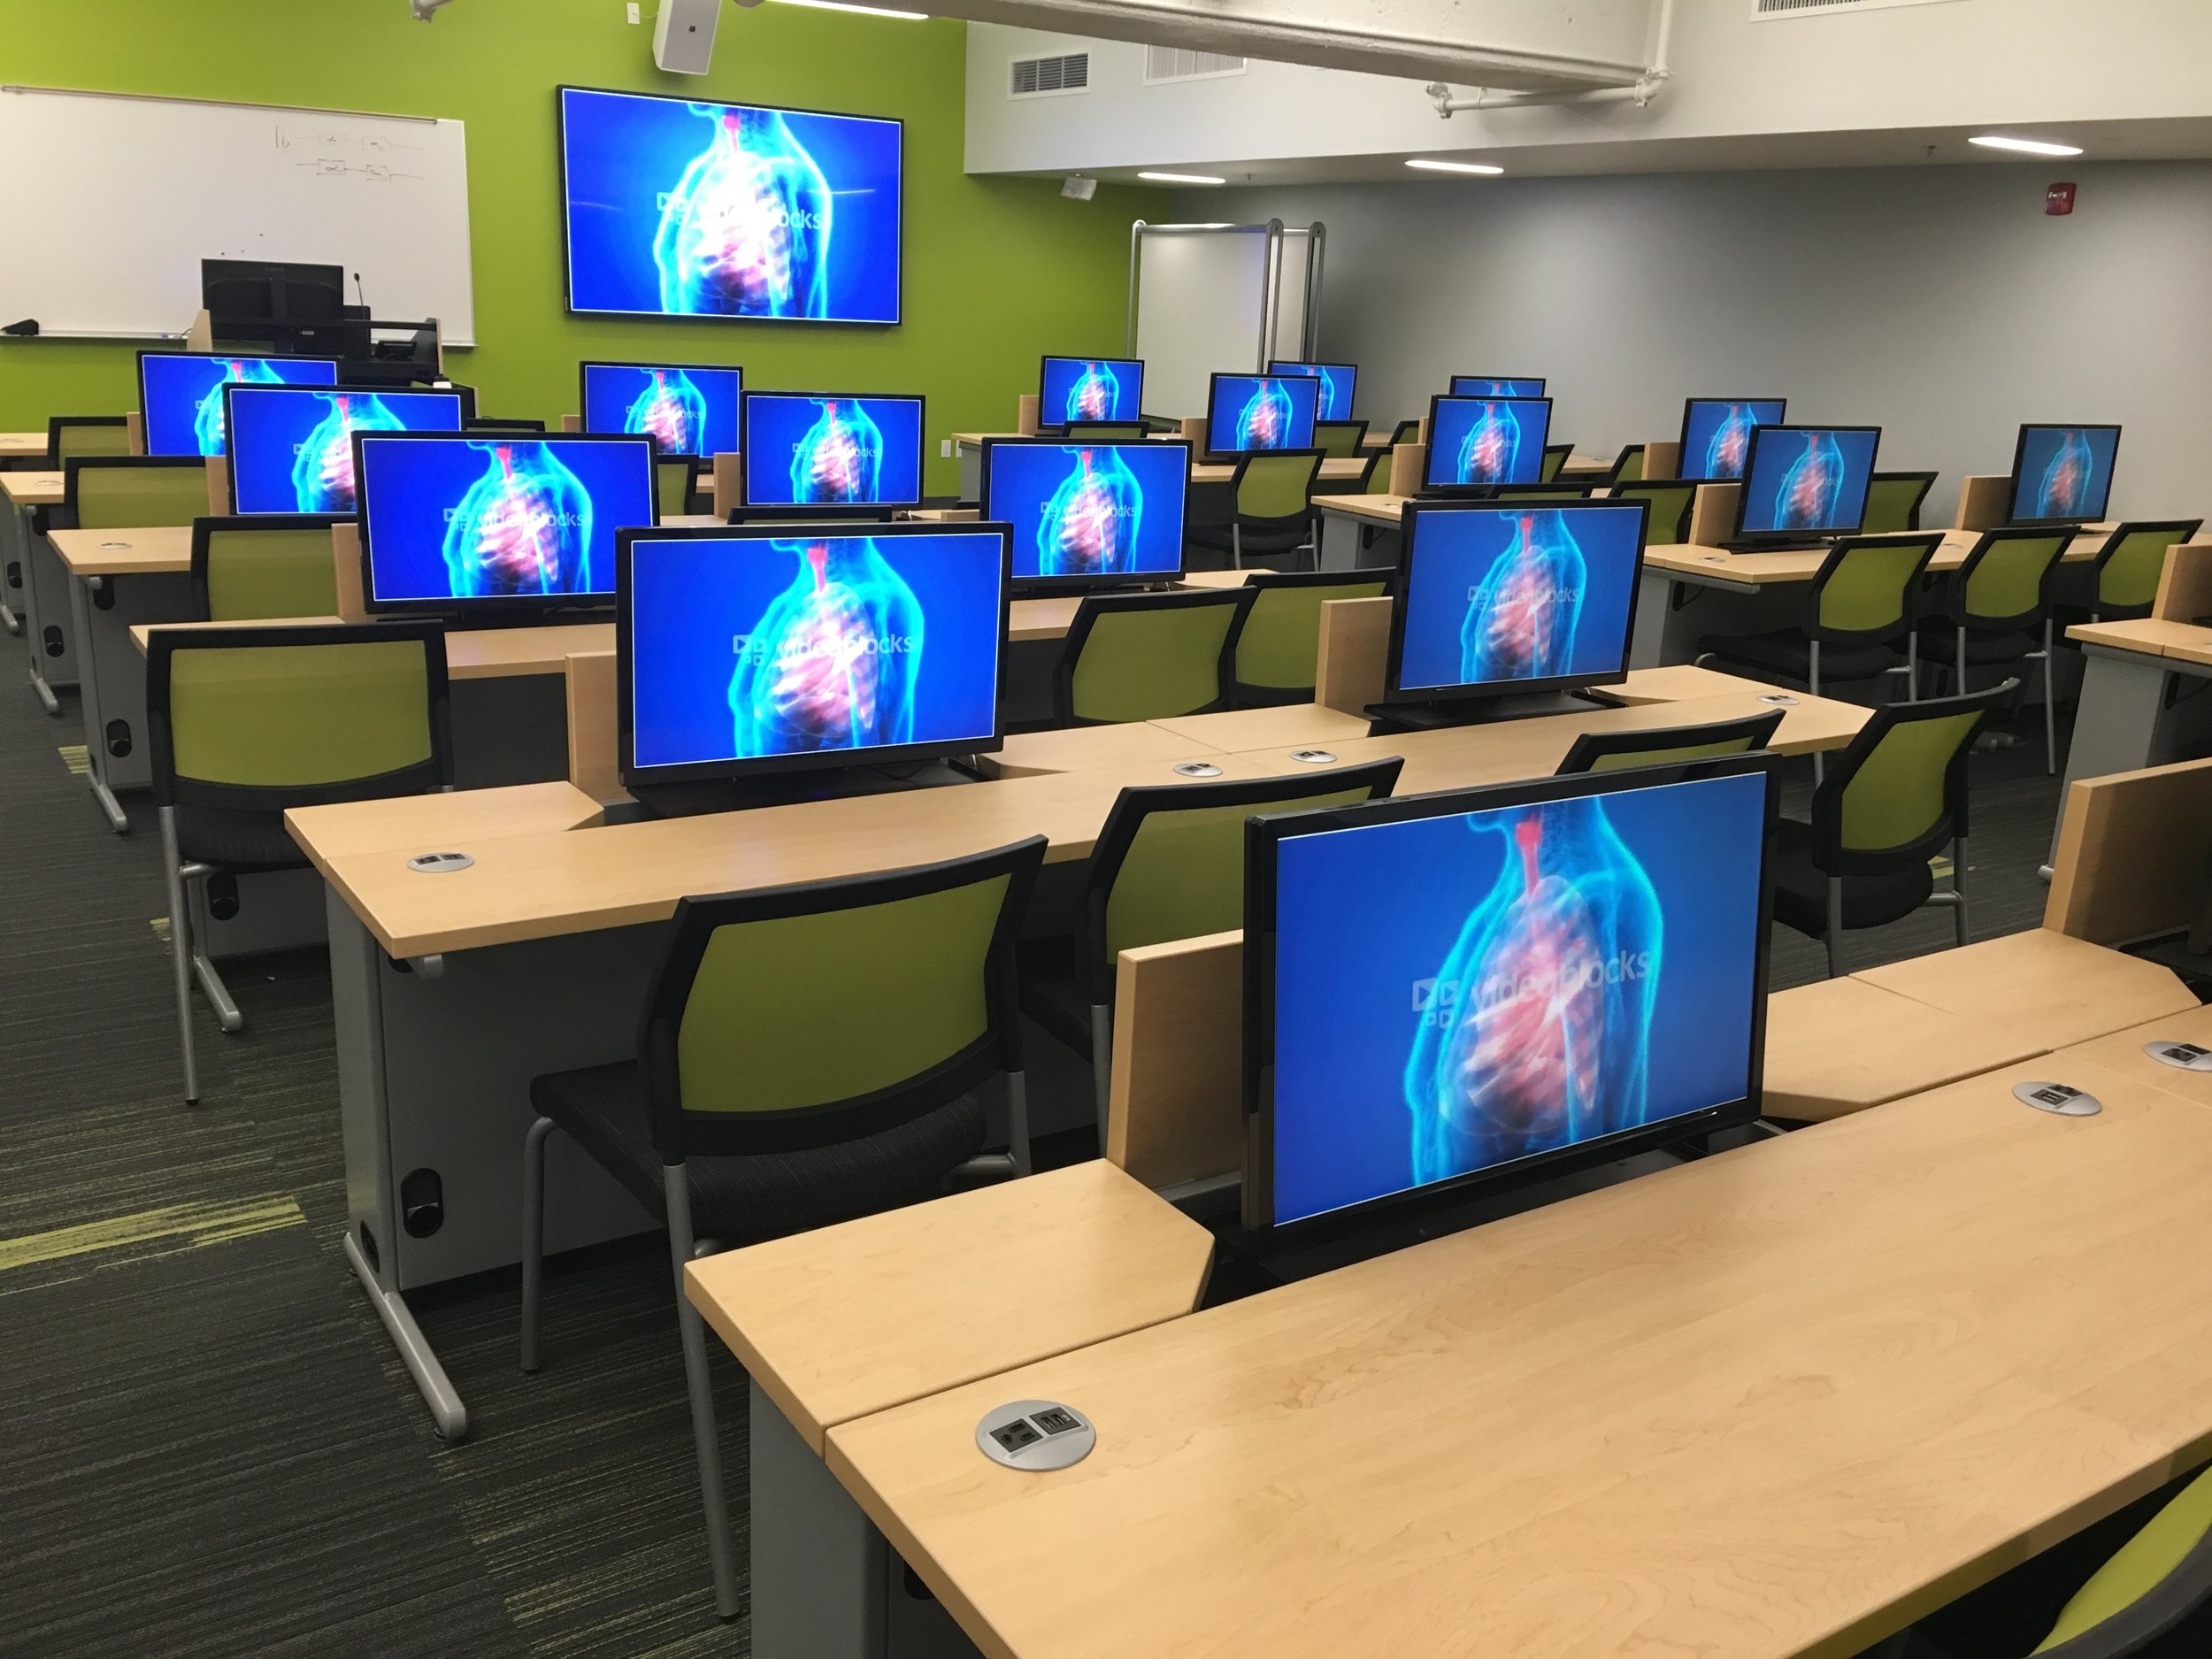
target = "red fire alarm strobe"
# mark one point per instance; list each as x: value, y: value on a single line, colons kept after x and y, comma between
x: 2058, y: 201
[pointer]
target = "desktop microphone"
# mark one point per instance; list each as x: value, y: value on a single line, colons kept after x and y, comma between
x: 360, y: 293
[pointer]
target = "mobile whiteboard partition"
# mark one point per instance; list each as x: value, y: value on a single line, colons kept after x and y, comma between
x: 1230, y: 298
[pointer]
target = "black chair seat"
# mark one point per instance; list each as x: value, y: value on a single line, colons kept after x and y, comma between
x: 1939, y: 643
x: 1789, y: 653
x: 238, y: 842
x: 763, y: 1195
x: 1052, y: 990
x: 1800, y: 888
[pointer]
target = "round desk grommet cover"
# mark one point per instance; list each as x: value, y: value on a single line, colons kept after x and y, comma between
x: 1781, y: 698
x: 1198, y: 769
x: 2061, y: 1098
x: 2185, y: 1056
x: 1037, y: 1435
x: 439, y: 863
x: 1313, y: 756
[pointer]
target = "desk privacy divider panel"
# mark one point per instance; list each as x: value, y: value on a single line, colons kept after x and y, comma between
x: 141, y: 189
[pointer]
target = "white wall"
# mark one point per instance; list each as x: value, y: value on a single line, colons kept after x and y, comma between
x: 1938, y: 302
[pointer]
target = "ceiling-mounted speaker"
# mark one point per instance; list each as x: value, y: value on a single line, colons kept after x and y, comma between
x: 683, y: 36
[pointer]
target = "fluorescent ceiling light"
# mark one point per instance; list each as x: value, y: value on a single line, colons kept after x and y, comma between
x: 1182, y: 178
x: 866, y: 12
x: 1455, y: 167
x: 2026, y: 146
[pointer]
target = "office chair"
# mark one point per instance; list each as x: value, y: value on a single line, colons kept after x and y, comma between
x: 1669, y: 745
x: 248, y: 566
x: 758, y: 1104
x: 1996, y: 613
x: 1858, y: 612
x: 2122, y: 584
x: 68, y: 436
x: 1405, y: 432
x: 1893, y: 501
x: 1672, y: 501
x: 1361, y: 483
x: 1555, y: 457
x: 1628, y: 466
x: 117, y: 492
x: 1273, y: 490
x: 1273, y: 657
x: 1889, y: 802
x: 1340, y: 440
x: 1168, y: 864
x: 247, y: 722
x: 1105, y: 431
x: 1147, y: 656
x: 674, y: 479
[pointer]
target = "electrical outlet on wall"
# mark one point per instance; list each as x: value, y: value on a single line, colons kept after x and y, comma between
x: 944, y: 449
x: 637, y: 12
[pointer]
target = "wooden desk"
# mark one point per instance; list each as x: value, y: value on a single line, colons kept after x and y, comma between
x: 17, y: 445
x: 406, y: 825
x: 2123, y: 1052
x: 1085, y: 747
x: 2127, y: 718
x: 1336, y: 469
x: 2038, y: 987
x: 165, y: 549
x: 1840, y: 1045
x: 32, y: 489
x: 1774, y: 1402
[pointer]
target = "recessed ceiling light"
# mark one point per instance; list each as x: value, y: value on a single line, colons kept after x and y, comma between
x: 1182, y: 178
x: 2026, y: 146
x: 871, y: 12
x: 1455, y: 167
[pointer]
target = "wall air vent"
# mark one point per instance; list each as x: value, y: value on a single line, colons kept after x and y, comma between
x: 1774, y: 11
x: 1172, y: 62
x: 1049, y: 77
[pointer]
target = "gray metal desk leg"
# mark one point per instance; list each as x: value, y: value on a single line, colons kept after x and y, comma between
x: 1655, y: 594
x: 447, y: 1413
x: 970, y: 471
x: 94, y: 720
x: 1340, y: 541
x: 2116, y: 726
x: 46, y: 616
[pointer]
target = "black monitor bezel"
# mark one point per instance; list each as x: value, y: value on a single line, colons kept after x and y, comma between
x: 585, y: 365
x: 1264, y: 836
x: 1044, y: 362
x: 1275, y: 367
x: 145, y: 432
x: 1394, y: 662
x: 1213, y: 384
x: 2019, y: 457
x: 465, y: 394
x: 1543, y: 385
x: 1460, y: 492
x: 1683, y: 443
x: 1029, y: 585
x: 1783, y: 538
x: 506, y: 608
x: 735, y: 770
x: 921, y: 449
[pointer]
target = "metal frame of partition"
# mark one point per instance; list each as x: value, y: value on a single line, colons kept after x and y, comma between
x: 1270, y: 281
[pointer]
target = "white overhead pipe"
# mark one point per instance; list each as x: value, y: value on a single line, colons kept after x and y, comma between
x: 1655, y: 75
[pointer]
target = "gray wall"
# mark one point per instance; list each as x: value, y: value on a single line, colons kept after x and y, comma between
x: 1940, y: 303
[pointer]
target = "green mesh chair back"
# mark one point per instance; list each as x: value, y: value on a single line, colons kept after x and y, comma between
x: 1340, y: 440
x: 252, y: 566
x: 69, y: 436
x: 673, y: 477
x: 1147, y: 656
x: 1405, y: 432
x: 1628, y: 466
x: 1898, y: 792
x: 2148, y: 1586
x: 1107, y: 431
x: 2005, y: 584
x: 1169, y: 862
x: 1555, y: 457
x: 1863, y: 592
x: 1669, y: 745
x: 260, y: 719
x: 1276, y: 487
x: 1280, y: 640
x: 2129, y: 568
x: 1893, y: 501
x: 784, y: 1018
x: 1672, y: 500
x: 116, y: 492
x: 1371, y: 467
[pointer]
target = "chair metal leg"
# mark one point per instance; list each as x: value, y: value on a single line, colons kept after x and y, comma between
x: 1236, y: 545
x: 1812, y: 684
x: 2050, y: 707
x: 532, y: 1236
x: 1958, y: 886
x: 1959, y: 689
x: 180, y: 951
x: 1017, y: 1123
x: 1101, y: 1064
x: 1835, y: 926
x: 706, y: 1437
x: 218, y: 994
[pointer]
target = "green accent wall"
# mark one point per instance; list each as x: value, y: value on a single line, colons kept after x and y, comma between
x: 998, y: 270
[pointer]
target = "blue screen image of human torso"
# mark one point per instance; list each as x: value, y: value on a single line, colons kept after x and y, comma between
x: 291, y: 450
x: 1495, y: 596
x: 1090, y: 388
x: 184, y: 395
x: 1262, y: 411
x: 694, y: 209
x: 1455, y: 992
x: 2065, y: 473
x: 1813, y: 479
x: 1333, y: 401
x: 809, y: 451
x: 749, y: 649
x: 685, y: 410
x: 1091, y: 510
x: 510, y: 517
x: 1716, y: 434
x: 1483, y: 386
x: 1487, y: 440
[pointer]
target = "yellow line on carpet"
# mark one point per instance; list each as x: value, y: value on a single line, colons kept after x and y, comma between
x: 78, y: 759
x: 198, y: 1224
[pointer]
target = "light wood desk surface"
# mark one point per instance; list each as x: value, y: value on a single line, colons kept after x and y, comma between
x: 1235, y: 731
x: 155, y: 550
x: 1774, y: 1402
x: 1082, y: 748
x: 408, y: 824
x: 33, y: 490
x: 2184, y: 641
x: 1760, y: 570
x: 1840, y: 1045
x: 850, y: 1320
x: 1336, y: 468
x: 15, y: 445
x: 2123, y: 1052
x: 2038, y: 987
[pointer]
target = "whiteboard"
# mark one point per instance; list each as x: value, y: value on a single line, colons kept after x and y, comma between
x: 118, y: 199
x: 1202, y: 308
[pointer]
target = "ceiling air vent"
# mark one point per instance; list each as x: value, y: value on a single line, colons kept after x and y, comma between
x: 1172, y: 62
x: 1774, y: 11
x: 1045, y: 77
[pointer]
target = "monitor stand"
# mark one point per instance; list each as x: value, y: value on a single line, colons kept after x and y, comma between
x: 1391, y: 718
x: 704, y: 796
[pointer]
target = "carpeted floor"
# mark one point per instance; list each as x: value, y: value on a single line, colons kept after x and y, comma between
x: 208, y: 1447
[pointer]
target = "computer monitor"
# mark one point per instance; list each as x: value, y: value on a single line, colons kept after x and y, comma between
x: 1089, y: 515
x: 489, y: 524
x: 1497, y: 386
x: 685, y: 408
x: 1805, y: 481
x: 1090, y: 388
x: 1245, y: 413
x: 1480, y: 443
x: 1716, y: 434
x: 181, y: 393
x: 280, y: 304
x: 831, y: 451
x: 761, y: 648
x: 1496, y: 600
x: 291, y: 447
x: 1472, y: 991
x: 1337, y: 382
x: 2063, y: 474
